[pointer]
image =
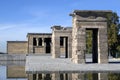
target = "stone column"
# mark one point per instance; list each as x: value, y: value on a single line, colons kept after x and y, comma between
x: 64, y: 46
x: 43, y: 42
x: 43, y: 45
x: 78, y: 76
x: 55, y: 45
x: 79, y: 45
x: 30, y: 76
x: 30, y: 44
x: 102, y: 76
x: 64, y: 42
x: 51, y: 48
x: 70, y: 76
x: 55, y: 76
x: 102, y: 46
x: 70, y: 46
x: 37, y: 42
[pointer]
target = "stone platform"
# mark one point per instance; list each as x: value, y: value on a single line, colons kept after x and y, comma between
x: 46, y: 64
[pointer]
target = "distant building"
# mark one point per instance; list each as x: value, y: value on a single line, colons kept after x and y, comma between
x: 40, y: 43
x: 17, y: 47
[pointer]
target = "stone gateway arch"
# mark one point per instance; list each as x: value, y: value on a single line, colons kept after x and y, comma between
x: 97, y: 22
x: 70, y: 42
x: 94, y: 20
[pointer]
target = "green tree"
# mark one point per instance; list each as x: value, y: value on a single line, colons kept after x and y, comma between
x: 89, y: 41
x: 113, y: 76
x: 113, y: 33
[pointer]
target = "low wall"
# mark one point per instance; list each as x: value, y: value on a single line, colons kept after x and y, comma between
x: 12, y: 57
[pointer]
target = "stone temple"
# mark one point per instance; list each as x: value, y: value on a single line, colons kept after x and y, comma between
x: 69, y: 42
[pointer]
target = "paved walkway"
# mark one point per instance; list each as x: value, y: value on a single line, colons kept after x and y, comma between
x: 45, y: 64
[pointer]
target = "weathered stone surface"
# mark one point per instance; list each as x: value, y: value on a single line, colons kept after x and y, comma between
x: 66, y: 33
x: 17, y: 47
x: 92, y: 20
x: 46, y: 64
x: 74, y: 45
x: 37, y: 48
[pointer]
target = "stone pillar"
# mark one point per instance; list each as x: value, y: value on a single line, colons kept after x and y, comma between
x: 85, y: 19
x: 79, y: 45
x: 55, y: 46
x: 102, y: 45
x: 70, y: 76
x: 70, y: 46
x: 37, y: 42
x: 64, y: 47
x: 50, y: 47
x: 30, y: 44
x: 44, y: 45
x: 30, y: 76
x: 78, y: 76
x: 102, y: 76
x: 64, y: 42
x: 55, y: 76
x: 43, y: 42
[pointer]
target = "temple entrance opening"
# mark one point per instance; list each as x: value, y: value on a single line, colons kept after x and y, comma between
x: 95, y: 21
x: 92, y: 45
x: 47, y: 45
x: 64, y: 47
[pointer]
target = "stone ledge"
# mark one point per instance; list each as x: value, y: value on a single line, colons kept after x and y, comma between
x: 46, y: 64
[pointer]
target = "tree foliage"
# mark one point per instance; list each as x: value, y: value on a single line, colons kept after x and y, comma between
x: 113, y: 33
x: 89, y: 41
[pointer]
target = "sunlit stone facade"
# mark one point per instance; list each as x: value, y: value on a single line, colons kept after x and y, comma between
x: 70, y: 42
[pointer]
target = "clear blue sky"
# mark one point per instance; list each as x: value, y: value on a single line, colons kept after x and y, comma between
x: 18, y: 17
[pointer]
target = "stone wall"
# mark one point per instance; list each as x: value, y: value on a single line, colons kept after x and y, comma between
x: 24, y: 47
x: 17, y: 47
x: 66, y: 33
x: 37, y: 48
x: 97, y: 22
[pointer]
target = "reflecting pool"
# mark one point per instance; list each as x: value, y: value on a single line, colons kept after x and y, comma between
x: 16, y: 71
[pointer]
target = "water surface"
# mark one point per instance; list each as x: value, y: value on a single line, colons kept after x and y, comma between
x: 16, y: 71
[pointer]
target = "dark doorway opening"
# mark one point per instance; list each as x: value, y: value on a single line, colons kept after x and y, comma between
x: 39, y: 41
x: 66, y: 47
x: 64, y: 44
x: 34, y: 42
x: 48, y: 46
x: 92, y: 45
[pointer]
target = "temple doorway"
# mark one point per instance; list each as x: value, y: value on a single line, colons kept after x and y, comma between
x: 64, y: 46
x: 92, y: 45
x: 47, y: 45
